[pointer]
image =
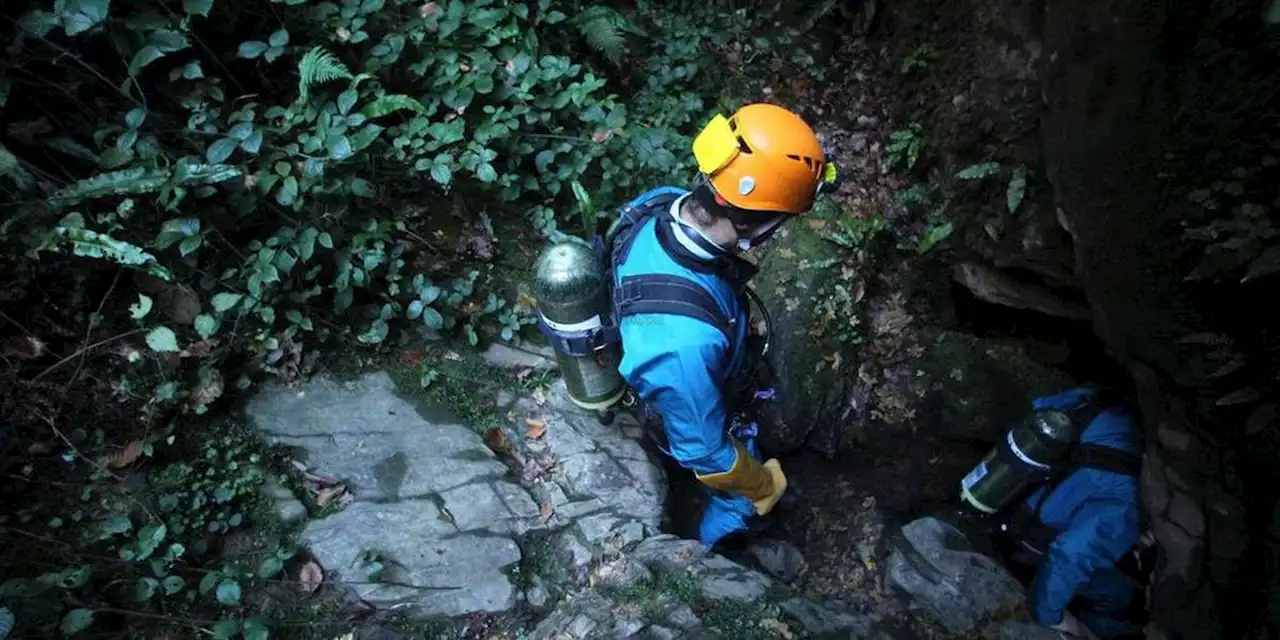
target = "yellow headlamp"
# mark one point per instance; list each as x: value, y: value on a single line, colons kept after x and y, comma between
x: 715, y: 147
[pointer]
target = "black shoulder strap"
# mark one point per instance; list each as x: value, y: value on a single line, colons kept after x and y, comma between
x: 1094, y: 456
x: 655, y: 293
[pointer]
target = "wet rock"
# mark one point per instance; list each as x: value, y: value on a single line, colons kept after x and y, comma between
x: 997, y: 287
x: 817, y: 619
x: 958, y: 587
x: 665, y: 552
x: 778, y: 558
x: 509, y: 357
x: 585, y: 616
x: 743, y: 586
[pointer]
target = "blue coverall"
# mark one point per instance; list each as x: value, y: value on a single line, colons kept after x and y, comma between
x: 679, y: 367
x: 1097, y: 515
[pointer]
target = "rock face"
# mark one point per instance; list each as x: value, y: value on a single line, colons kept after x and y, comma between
x: 959, y: 587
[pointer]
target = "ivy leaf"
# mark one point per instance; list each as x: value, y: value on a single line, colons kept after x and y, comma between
x: 1017, y: 189
x: 251, y: 49
x: 144, y: 57
x: 79, y: 16
x: 346, y: 100
x: 225, y: 629
x: 224, y: 301
x: 229, y: 593
x: 288, y: 192
x: 432, y: 318
x: 141, y: 308
x: 135, y: 117
x: 442, y: 174
x: 173, y: 584
x: 270, y: 567
x: 76, y: 620
x: 255, y: 629
x: 149, y: 538
x: 221, y: 150
x: 485, y: 172
x: 339, y: 147
x: 279, y: 38
x: 162, y: 340
x: 198, y: 7
x: 145, y: 588
x: 206, y: 325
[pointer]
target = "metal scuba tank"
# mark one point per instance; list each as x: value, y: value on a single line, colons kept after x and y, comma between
x: 1024, y: 457
x: 573, y: 296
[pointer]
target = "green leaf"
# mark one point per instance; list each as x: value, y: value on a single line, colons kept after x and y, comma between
x: 414, y: 310
x: 933, y: 236
x: 346, y: 100
x: 76, y: 620
x: 206, y: 325
x: 145, y: 588
x: 113, y: 526
x: 189, y: 246
x: 279, y: 38
x: 141, y: 308
x: 319, y: 66
x: 485, y: 172
x: 222, y: 149
x: 1017, y: 189
x: 253, y: 143
x: 229, y: 593
x: 75, y: 578
x: 390, y: 104
x: 38, y: 23
x: 339, y: 147
x: 225, y: 629
x: 979, y: 171
x: 1267, y: 263
x: 252, y: 49
x: 198, y: 7
x: 162, y: 340
x: 224, y: 301
x: 255, y: 629
x: 288, y: 192
x: 135, y: 117
x: 79, y: 16
x: 149, y: 538
x: 432, y: 318
x: 223, y: 494
x: 192, y: 70
x: 144, y: 57
x: 173, y: 584
x: 270, y: 567
x: 441, y: 173
x: 326, y: 240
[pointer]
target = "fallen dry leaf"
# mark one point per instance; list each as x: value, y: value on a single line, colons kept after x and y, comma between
x: 545, y: 511
x: 300, y: 466
x: 496, y: 440
x: 428, y: 9
x: 539, y: 396
x: 817, y: 224
x: 537, y: 429
x: 601, y: 135
x: 309, y: 577
x: 199, y: 349
x: 318, y: 479
x: 869, y: 502
x: 26, y: 348
x: 123, y: 457
x: 327, y: 494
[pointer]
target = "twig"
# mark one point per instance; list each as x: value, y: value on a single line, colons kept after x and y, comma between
x: 88, y: 348
x: 67, y: 441
x: 88, y: 332
x: 88, y: 68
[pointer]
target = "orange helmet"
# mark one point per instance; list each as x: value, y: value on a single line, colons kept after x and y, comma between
x: 763, y: 158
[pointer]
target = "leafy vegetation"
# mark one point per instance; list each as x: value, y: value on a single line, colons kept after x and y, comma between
x: 204, y: 194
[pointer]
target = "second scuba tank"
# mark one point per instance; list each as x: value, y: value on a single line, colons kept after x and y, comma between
x: 573, y: 296
x: 1025, y: 456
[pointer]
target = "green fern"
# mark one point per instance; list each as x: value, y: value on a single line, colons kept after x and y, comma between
x: 602, y: 28
x: 92, y: 244
x: 390, y: 104
x: 317, y: 67
x: 125, y: 181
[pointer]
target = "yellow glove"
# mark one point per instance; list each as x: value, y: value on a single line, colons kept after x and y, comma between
x: 762, y: 484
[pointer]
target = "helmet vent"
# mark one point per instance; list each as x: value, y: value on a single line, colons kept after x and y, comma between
x: 742, y: 144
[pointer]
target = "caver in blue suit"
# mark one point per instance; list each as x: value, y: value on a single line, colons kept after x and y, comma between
x: 1093, y: 519
x: 683, y: 368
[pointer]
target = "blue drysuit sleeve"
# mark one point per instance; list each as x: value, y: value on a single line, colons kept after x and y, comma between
x: 1101, y: 532
x: 681, y: 379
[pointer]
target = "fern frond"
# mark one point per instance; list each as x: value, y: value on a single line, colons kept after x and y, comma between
x: 602, y: 28
x: 92, y: 244
x: 390, y: 104
x: 317, y: 67
x: 131, y: 180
